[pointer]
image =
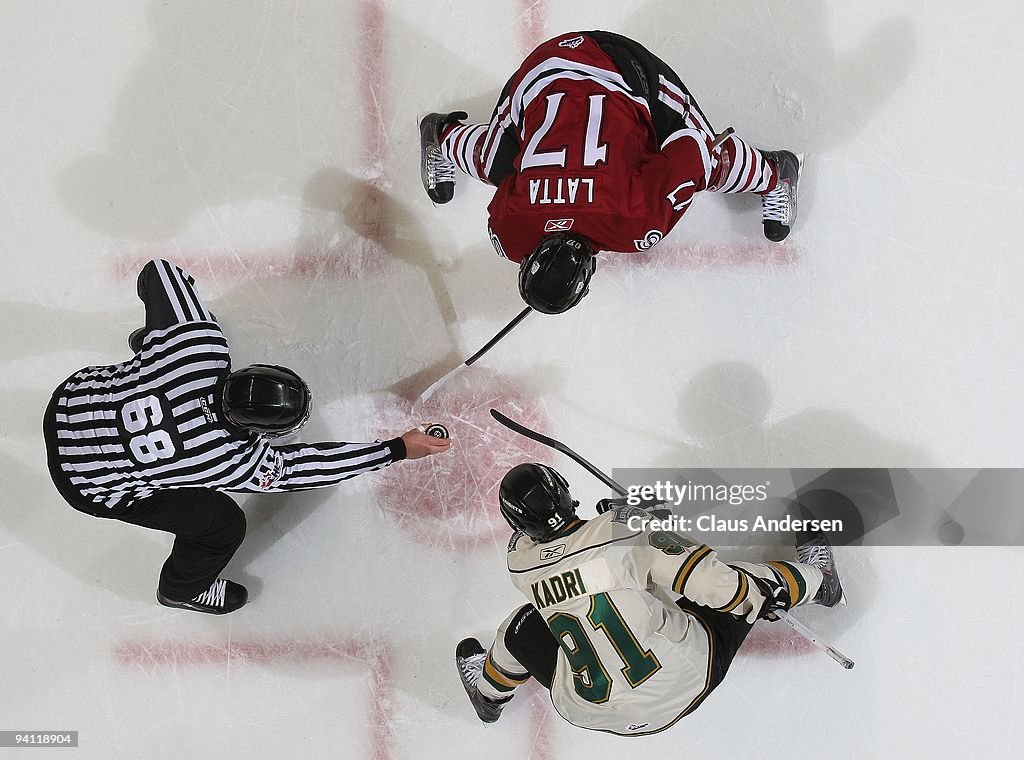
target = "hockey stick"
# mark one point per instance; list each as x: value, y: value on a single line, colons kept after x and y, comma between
x: 719, y: 139
x: 469, y: 362
x: 783, y: 615
x: 808, y: 634
x: 558, y: 446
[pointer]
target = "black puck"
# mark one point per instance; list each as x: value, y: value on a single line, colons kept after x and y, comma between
x: 436, y: 430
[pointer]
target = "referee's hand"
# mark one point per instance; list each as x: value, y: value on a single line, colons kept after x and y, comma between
x: 419, y: 444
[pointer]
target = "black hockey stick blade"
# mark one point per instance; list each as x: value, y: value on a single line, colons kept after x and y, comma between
x: 558, y: 446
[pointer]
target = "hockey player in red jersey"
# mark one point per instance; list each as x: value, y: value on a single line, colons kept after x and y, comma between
x: 595, y: 145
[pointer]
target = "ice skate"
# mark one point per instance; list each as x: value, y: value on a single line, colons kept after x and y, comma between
x: 814, y: 549
x: 222, y: 597
x: 437, y: 172
x: 469, y: 658
x: 778, y: 207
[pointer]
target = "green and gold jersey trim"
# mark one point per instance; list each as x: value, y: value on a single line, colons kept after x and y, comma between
x: 687, y: 568
x: 502, y: 680
x: 741, y: 593
x: 794, y: 579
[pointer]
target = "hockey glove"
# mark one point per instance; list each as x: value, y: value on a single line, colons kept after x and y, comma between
x: 776, y: 597
x: 656, y: 508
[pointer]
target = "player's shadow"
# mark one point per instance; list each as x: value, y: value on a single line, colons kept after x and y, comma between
x: 725, y: 415
x: 780, y: 80
x: 725, y: 412
x: 119, y: 558
x: 389, y: 227
x: 235, y: 103
x: 230, y: 102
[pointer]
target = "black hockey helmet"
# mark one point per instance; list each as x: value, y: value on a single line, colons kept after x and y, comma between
x: 536, y: 500
x: 556, y: 275
x: 266, y: 399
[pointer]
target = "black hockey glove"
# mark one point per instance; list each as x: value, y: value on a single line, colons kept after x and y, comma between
x: 776, y: 597
x: 605, y: 504
x: 656, y: 508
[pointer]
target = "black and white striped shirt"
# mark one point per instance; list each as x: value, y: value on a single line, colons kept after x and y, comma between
x: 123, y: 431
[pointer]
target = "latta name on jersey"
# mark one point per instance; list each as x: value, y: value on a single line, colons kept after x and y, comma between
x: 558, y: 588
x: 561, y: 190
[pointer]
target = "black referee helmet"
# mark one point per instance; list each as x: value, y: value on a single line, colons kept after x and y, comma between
x: 266, y: 399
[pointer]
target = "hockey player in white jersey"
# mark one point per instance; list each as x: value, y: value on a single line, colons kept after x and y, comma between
x: 630, y: 631
x: 156, y: 440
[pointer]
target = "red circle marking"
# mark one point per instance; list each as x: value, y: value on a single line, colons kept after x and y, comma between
x: 451, y: 499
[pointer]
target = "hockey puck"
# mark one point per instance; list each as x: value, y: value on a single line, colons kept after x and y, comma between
x: 436, y: 430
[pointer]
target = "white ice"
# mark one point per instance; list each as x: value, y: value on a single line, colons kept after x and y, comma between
x: 270, y: 147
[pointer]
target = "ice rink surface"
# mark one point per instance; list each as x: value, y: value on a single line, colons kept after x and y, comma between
x: 270, y: 148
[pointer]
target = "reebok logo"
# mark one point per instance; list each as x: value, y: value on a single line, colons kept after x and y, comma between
x: 552, y: 552
x: 558, y: 225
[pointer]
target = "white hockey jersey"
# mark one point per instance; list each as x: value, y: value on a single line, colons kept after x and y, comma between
x: 630, y: 661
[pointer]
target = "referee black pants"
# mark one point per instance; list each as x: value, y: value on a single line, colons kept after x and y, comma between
x: 208, y: 526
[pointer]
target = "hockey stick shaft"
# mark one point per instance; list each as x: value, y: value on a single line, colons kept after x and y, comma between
x: 784, y: 615
x: 501, y: 334
x: 808, y: 634
x: 469, y: 362
x: 719, y: 139
x: 558, y: 446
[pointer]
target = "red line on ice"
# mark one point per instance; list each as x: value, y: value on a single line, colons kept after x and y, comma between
x: 373, y: 23
x: 775, y: 641
x: 271, y: 264
x: 542, y: 714
x: 376, y: 656
x: 709, y: 256
x: 532, y: 24
x: 363, y: 255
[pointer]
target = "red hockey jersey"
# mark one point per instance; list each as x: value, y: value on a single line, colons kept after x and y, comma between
x: 588, y: 159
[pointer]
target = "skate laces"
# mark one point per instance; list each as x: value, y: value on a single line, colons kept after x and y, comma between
x: 817, y: 556
x: 439, y: 169
x: 777, y: 204
x: 471, y: 667
x: 213, y: 596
